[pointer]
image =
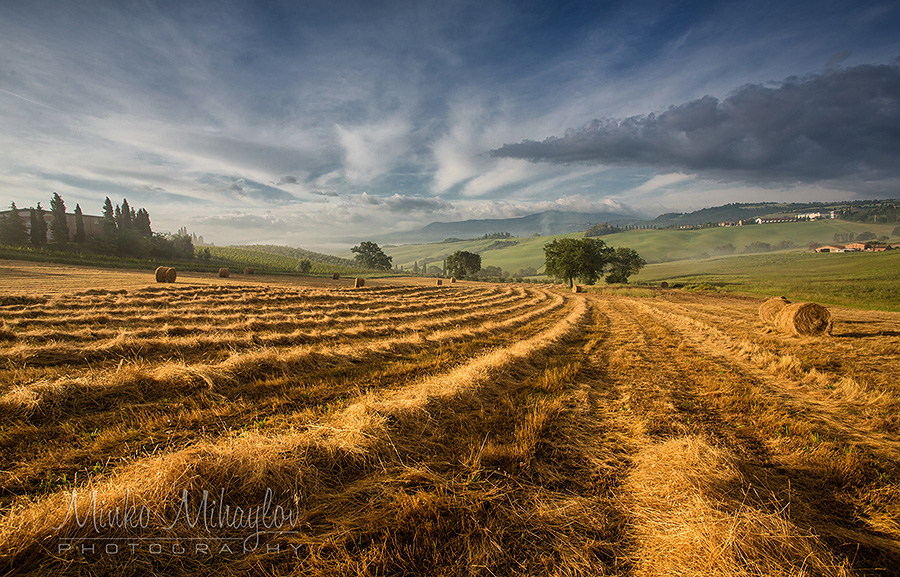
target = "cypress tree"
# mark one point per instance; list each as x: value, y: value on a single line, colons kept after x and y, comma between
x: 123, y: 215
x: 38, y: 226
x: 12, y: 228
x: 79, y: 224
x: 110, y: 236
x: 58, y: 225
x: 142, y: 222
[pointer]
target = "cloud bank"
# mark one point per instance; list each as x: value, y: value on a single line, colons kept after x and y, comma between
x: 840, y: 125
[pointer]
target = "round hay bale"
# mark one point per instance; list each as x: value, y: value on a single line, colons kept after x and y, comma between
x: 804, y: 319
x: 335, y: 276
x: 440, y: 282
x: 663, y: 284
x: 171, y: 275
x: 452, y: 279
x: 770, y: 309
x: 224, y: 272
x: 161, y: 273
x: 360, y: 282
x: 249, y: 270
x: 576, y: 288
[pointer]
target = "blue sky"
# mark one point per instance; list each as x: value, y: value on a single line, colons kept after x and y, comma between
x: 320, y: 124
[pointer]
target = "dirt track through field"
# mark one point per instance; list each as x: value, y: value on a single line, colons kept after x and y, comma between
x: 474, y: 430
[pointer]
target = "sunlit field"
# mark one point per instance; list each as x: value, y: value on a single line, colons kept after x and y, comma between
x: 404, y: 428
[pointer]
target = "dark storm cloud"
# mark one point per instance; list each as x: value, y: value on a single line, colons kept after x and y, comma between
x: 840, y: 125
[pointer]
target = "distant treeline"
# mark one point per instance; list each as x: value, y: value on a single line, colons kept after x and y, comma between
x: 123, y: 231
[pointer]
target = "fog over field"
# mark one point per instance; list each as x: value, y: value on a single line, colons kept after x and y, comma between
x: 316, y: 123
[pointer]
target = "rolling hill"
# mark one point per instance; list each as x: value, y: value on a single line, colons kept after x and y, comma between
x: 656, y: 246
x: 543, y: 223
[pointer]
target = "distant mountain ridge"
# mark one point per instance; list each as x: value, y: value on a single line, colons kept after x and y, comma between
x: 544, y: 223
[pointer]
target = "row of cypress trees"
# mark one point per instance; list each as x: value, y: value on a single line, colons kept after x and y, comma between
x: 125, y: 231
x: 13, y: 230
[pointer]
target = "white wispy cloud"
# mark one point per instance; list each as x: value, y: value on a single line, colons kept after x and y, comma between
x: 202, y: 109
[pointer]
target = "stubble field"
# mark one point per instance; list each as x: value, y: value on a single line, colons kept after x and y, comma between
x: 409, y: 429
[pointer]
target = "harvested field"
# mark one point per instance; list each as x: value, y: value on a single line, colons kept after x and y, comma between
x: 475, y: 429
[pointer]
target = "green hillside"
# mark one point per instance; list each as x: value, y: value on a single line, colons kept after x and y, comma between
x: 860, y: 279
x: 660, y: 245
x: 674, y: 244
x: 516, y: 254
x: 283, y: 259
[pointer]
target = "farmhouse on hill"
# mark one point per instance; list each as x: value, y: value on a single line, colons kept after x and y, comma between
x: 856, y: 247
x: 93, y: 225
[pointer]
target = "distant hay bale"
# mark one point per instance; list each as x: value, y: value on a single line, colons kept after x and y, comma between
x: 804, y: 319
x: 335, y: 276
x: 249, y: 270
x: 161, y: 273
x: 440, y: 282
x: 452, y: 279
x: 171, y: 274
x: 224, y: 272
x: 360, y: 282
x: 663, y: 284
x: 576, y: 288
x: 770, y: 309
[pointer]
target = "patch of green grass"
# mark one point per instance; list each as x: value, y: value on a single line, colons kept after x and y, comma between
x: 862, y: 279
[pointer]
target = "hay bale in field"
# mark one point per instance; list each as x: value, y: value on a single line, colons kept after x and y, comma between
x: 161, y: 273
x: 440, y: 282
x: 576, y: 288
x: 804, y: 319
x: 663, y: 284
x: 335, y: 276
x: 360, y: 282
x: 171, y: 274
x: 224, y: 272
x: 249, y: 270
x: 452, y: 279
x: 770, y: 309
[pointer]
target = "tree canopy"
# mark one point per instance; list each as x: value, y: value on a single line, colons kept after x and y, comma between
x: 79, y: 224
x: 38, y: 226
x: 625, y: 263
x: 58, y: 224
x: 12, y: 228
x: 463, y: 263
x: 570, y: 258
x: 370, y: 255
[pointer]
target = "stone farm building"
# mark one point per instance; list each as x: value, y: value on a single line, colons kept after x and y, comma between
x: 93, y: 225
x: 856, y: 247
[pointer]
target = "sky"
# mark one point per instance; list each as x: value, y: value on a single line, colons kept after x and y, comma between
x: 323, y: 123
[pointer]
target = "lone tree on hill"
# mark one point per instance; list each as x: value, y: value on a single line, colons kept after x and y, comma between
x: 58, y: 224
x: 625, y: 263
x: 463, y: 263
x: 570, y: 258
x: 12, y: 228
x: 369, y: 255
